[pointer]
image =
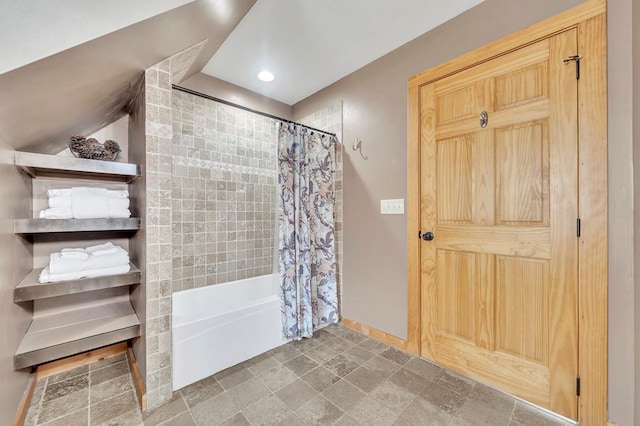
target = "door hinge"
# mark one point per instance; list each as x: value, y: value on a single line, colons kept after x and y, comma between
x: 578, y: 386
x: 578, y: 226
x: 576, y: 59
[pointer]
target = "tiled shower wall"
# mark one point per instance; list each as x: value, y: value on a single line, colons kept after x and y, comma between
x: 223, y: 193
x: 153, y: 244
x: 157, y: 224
x: 329, y: 119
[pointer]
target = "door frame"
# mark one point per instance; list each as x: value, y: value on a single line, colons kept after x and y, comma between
x: 590, y: 20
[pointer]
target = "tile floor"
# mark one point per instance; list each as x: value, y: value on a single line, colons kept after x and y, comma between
x: 339, y: 377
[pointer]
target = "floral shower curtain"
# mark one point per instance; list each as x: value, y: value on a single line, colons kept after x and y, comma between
x: 306, y: 243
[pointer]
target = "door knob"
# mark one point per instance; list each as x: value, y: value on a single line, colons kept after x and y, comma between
x: 427, y: 236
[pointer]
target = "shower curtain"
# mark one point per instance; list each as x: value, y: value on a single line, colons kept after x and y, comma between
x: 306, y: 243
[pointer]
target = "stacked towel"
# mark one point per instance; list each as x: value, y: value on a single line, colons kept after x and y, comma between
x: 118, y: 193
x: 74, y: 253
x: 102, y: 249
x: 56, y: 213
x: 86, y: 203
x: 101, y: 260
x: 59, y: 264
x: 66, y: 192
x: 60, y: 202
x: 47, y: 277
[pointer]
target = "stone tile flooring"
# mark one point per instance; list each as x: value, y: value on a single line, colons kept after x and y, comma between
x: 339, y: 377
x: 101, y: 393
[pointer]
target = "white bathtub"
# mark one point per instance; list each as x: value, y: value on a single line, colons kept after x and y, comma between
x: 219, y: 326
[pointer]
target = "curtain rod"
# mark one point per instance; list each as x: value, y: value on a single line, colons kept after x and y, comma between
x: 244, y: 108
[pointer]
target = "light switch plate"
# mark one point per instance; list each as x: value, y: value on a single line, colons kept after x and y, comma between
x: 392, y: 206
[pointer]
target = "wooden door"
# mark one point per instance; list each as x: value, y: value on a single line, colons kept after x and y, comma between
x: 499, y: 279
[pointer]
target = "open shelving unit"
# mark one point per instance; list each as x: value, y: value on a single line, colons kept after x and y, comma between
x: 56, y: 336
x: 43, y: 165
x: 76, y: 328
x: 41, y: 226
x: 30, y: 288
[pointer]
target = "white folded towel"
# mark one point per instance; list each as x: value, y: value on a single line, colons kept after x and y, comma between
x: 61, y: 265
x: 63, y: 192
x: 89, y: 191
x: 119, y: 214
x: 111, y: 193
x: 56, y: 213
x: 122, y: 193
x: 74, y: 253
x: 89, y: 208
x: 60, y: 202
x: 89, y: 203
x: 102, y: 249
x: 47, y: 277
x: 60, y: 213
x: 67, y: 213
x: 118, y: 203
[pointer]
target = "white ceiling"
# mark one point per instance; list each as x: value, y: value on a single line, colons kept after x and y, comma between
x: 34, y: 29
x: 310, y: 44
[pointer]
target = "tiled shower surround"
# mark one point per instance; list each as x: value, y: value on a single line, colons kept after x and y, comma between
x: 156, y: 223
x: 158, y: 233
x: 210, y: 201
x: 223, y: 193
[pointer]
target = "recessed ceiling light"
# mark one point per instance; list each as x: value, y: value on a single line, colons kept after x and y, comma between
x: 265, y: 75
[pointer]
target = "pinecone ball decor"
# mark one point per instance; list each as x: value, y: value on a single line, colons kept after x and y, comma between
x: 82, y: 147
x: 76, y: 142
x: 112, y: 147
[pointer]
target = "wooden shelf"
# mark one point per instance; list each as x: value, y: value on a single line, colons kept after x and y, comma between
x: 43, y: 165
x: 40, y: 226
x: 30, y: 288
x: 63, y: 324
x: 57, y: 336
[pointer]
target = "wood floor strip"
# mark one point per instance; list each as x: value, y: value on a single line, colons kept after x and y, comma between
x: 23, y: 408
x: 66, y: 364
x: 381, y: 336
x: 137, y: 379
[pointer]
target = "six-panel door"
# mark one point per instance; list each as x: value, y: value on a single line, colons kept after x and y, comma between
x: 499, y: 280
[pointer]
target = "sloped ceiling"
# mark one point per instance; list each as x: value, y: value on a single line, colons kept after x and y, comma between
x: 34, y: 29
x: 84, y: 88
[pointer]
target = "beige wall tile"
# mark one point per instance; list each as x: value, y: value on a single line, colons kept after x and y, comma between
x: 223, y: 162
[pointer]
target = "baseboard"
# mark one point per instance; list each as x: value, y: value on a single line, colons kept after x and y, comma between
x: 381, y: 336
x: 23, y: 408
x: 65, y: 364
x: 137, y: 379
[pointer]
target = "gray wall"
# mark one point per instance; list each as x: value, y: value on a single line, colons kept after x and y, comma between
x: 375, y: 110
x: 635, y: 25
x: 622, y: 390
x: 15, y: 263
